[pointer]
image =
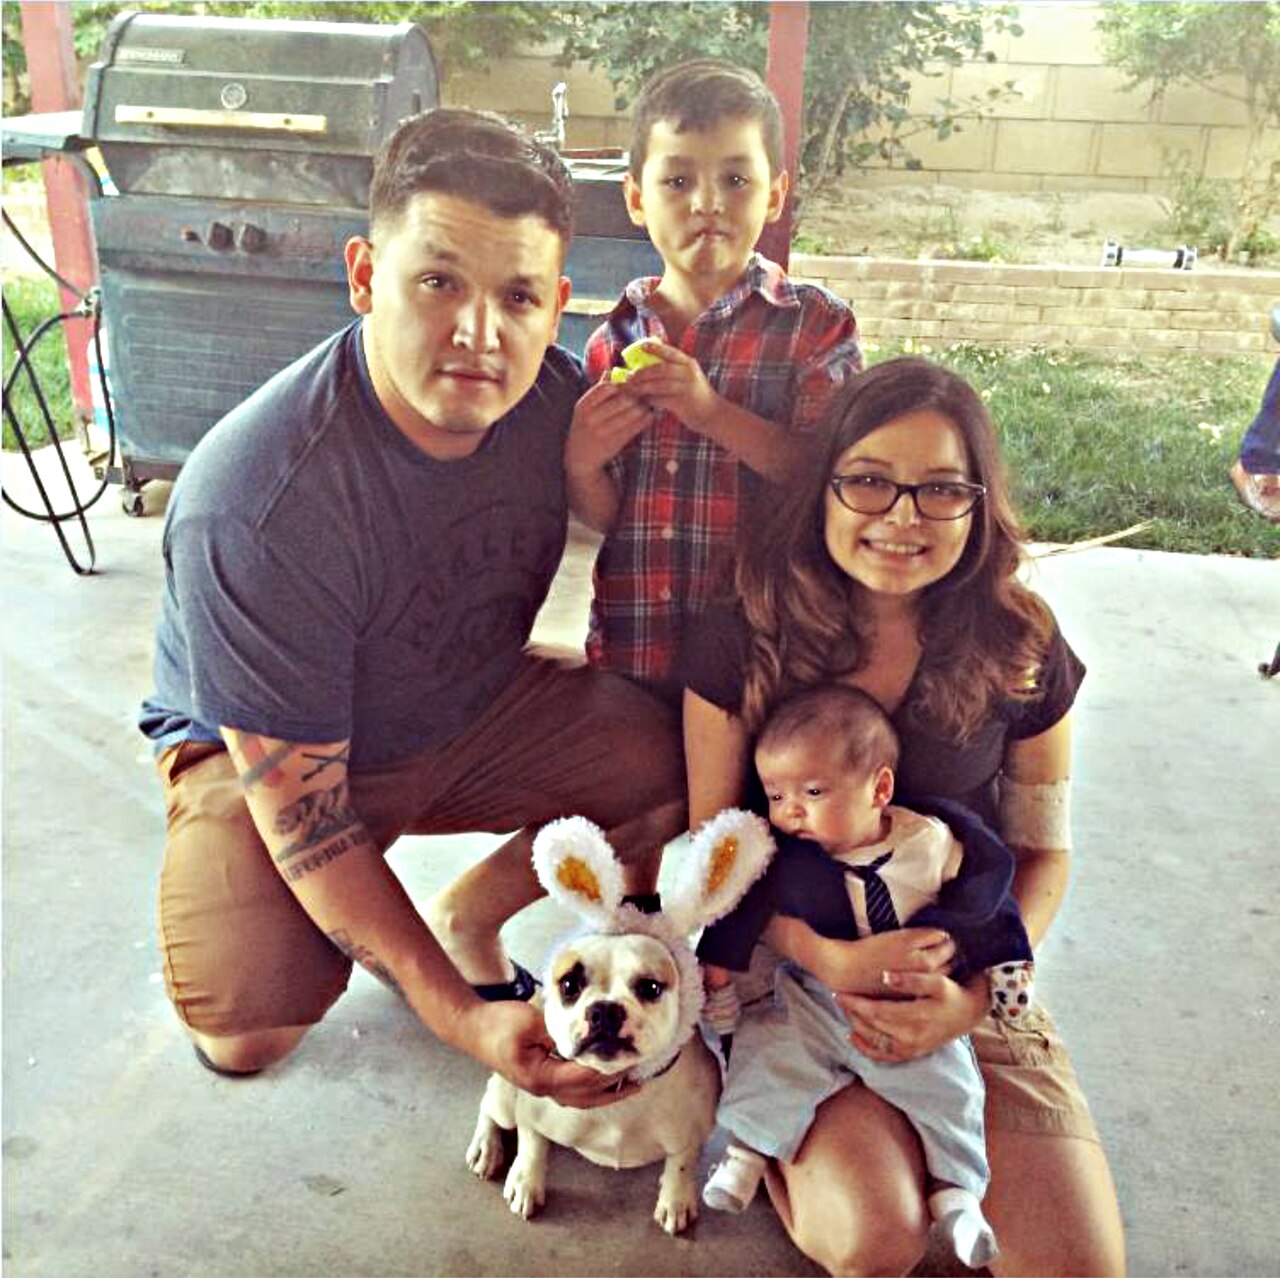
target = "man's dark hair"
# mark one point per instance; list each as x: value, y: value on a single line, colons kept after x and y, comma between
x: 843, y: 718
x: 700, y: 94
x: 475, y: 155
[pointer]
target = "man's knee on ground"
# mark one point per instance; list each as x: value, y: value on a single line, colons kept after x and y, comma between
x: 251, y: 1052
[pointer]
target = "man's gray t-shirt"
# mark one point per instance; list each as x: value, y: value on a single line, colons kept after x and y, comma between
x: 325, y: 579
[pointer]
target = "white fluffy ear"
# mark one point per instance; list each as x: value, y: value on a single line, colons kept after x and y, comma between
x: 724, y: 858
x: 576, y: 865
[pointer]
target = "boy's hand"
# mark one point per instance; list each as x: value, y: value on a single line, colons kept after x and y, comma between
x: 677, y: 384
x: 605, y: 420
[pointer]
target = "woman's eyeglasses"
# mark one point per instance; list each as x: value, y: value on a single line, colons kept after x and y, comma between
x: 877, y: 495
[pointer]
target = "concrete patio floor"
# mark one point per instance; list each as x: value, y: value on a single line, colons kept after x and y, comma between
x: 123, y: 1157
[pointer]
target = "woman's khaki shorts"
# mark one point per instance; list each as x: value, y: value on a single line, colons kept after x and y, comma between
x: 240, y: 953
x: 1031, y: 1085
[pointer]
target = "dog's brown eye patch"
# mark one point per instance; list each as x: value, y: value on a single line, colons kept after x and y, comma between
x: 572, y: 983
x: 648, y: 990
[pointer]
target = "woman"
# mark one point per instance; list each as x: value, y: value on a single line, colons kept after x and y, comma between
x: 892, y: 567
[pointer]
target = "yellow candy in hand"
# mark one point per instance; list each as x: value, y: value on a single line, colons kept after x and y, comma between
x: 635, y: 356
x: 638, y: 355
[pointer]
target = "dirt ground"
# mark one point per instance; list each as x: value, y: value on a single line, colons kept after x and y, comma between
x: 913, y: 221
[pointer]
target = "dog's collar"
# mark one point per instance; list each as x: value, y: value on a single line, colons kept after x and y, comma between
x: 648, y: 1078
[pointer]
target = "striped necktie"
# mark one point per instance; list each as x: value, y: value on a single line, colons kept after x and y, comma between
x: 880, y: 912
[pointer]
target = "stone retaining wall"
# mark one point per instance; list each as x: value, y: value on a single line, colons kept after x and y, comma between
x: 1137, y: 309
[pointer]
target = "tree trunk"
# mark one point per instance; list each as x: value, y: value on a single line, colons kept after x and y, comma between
x: 831, y: 136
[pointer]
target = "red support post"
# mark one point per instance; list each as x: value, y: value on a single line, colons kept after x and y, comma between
x: 55, y: 86
x: 784, y: 73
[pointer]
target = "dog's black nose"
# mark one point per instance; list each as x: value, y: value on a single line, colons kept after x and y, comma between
x: 605, y: 1017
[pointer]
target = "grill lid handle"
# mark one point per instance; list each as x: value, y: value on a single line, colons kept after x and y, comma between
x: 237, y: 121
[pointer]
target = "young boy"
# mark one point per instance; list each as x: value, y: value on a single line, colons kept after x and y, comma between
x: 825, y: 759
x: 669, y: 463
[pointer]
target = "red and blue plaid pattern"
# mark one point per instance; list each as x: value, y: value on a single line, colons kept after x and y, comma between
x: 776, y: 348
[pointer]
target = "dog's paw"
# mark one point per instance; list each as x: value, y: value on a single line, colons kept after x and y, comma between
x: 675, y: 1212
x: 525, y: 1194
x: 484, y: 1154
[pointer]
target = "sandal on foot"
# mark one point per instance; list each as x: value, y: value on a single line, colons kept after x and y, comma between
x: 520, y: 988
x: 1260, y: 493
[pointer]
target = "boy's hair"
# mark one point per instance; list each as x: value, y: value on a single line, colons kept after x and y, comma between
x: 698, y: 95
x: 477, y: 156
x: 846, y: 720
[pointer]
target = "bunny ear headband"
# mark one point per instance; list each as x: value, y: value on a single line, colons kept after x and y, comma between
x: 579, y: 869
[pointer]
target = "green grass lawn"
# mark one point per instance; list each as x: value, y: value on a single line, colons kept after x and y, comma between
x: 32, y: 301
x: 1096, y: 443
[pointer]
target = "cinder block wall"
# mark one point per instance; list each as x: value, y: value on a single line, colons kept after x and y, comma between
x: 1072, y: 126
x: 1139, y: 309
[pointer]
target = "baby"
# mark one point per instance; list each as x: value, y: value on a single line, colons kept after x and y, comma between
x: 850, y: 864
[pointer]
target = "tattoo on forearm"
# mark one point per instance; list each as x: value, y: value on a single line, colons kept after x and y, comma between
x: 317, y: 817
x: 367, y: 959
x: 316, y: 860
x: 256, y: 763
x: 323, y: 761
x: 325, y: 827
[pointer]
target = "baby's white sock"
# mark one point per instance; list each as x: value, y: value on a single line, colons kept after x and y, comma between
x: 734, y: 1181
x: 959, y: 1216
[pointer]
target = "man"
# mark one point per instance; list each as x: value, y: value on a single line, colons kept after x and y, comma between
x: 354, y: 559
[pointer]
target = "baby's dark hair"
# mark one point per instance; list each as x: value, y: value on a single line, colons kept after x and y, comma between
x: 698, y: 95
x: 842, y: 718
x: 477, y: 156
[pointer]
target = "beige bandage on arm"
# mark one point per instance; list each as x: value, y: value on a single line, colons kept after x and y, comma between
x: 1036, y: 815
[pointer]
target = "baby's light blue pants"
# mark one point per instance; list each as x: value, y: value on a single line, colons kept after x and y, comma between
x: 790, y: 1055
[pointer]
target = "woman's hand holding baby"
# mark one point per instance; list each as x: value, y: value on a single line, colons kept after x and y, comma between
x: 916, y: 1013
x: 858, y: 967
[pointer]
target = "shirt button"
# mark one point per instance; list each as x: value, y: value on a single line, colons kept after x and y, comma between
x: 665, y: 594
x: 668, y: 533
x: 672, y: 467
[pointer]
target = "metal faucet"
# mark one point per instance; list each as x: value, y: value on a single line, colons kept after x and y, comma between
x: 559, y: 114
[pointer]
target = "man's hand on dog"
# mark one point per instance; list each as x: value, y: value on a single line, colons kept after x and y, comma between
x: 512, y: 1039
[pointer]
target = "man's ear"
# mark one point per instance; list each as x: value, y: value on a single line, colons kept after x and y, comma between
x: 358, y: 255
x: 778, y: 189
x: 882, y: 790
x: 564, y: 291
x: 635, y: 204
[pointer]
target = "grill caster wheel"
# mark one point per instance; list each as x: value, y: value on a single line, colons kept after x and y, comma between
x: 132, y: 504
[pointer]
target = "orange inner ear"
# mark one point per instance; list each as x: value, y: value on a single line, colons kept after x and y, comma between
x: 576, y: 876
x: 723, y: 858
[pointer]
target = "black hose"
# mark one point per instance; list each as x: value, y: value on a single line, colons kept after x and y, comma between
x: 90, y: 308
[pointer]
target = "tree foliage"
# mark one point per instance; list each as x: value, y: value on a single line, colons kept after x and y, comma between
x: 1228, y: 49
x: 858, y: 69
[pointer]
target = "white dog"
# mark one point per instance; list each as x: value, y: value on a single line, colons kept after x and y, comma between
x: 624, y: 998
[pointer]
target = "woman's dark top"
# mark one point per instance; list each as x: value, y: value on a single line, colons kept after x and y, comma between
x: 713, y: 664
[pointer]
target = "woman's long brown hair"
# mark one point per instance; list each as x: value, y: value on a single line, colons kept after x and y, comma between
x: 983, y: 633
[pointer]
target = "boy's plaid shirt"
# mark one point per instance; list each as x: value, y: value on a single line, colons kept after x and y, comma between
x: 776, y: 348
